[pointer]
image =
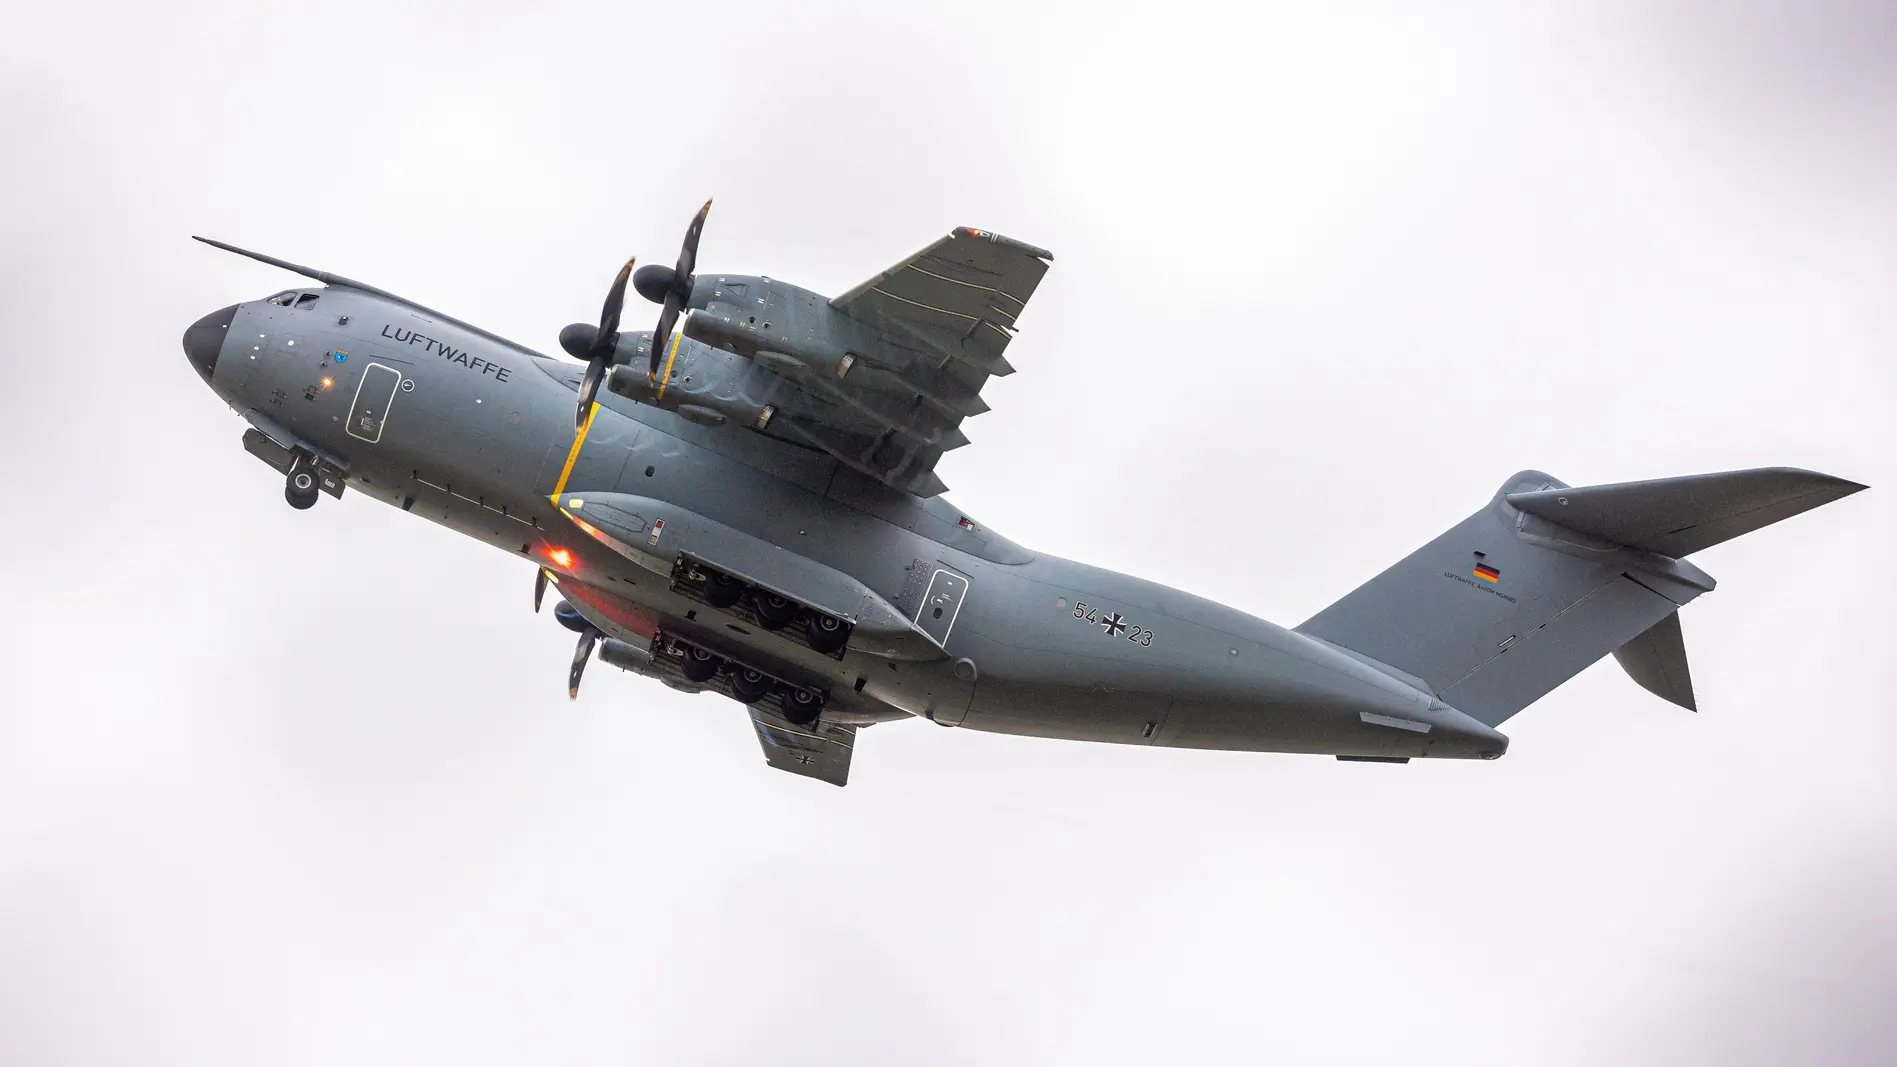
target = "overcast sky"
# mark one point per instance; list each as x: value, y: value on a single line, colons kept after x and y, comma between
x: 285, y: 787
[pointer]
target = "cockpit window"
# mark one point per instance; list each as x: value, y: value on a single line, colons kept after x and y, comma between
x: 283, y: 299
x: 307, y: 300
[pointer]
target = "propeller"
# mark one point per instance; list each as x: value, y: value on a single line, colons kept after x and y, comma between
x: 595, y: 345
x: 670, y: 286
x: 589, y: 637
x: 540, y: 588
x: 581, y: 656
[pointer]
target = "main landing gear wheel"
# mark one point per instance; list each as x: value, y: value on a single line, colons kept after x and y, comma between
x: 722, y: 590
x: 302, y: 488
x: 826, y: 633
x: 700, y: 666
x: 750, y: 686
x: 801, y: 707
x: 773, y: 611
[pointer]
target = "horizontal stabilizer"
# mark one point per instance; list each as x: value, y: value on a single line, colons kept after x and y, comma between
x: 821, y: 750
x: 1679, y: 516
x: 1657, y: 661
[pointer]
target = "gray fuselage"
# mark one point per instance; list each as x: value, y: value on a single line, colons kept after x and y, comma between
x: 477, y: 435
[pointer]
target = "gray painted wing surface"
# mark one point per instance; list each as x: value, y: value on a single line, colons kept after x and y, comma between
x: 821, y: 751
x: 879, y: 378
x: 960, y: 296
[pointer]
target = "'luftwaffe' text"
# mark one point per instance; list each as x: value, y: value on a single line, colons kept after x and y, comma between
x: 452, y: 355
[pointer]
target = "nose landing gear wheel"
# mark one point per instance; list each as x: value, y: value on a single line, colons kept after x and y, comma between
x: 826, y: 633
x: 700, y: 665
x: 801, y: 707
x: 301, y: 488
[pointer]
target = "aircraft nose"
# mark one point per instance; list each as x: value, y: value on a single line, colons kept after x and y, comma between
x: 205, y: 339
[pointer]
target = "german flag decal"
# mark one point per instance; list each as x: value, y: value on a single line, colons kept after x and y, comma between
x: 1487, y: 573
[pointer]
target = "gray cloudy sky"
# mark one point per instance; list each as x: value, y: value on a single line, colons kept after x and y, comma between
x: 304, y: 788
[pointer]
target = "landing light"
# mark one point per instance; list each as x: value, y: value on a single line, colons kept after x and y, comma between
x: 561, y: 556
x: 327, y: 382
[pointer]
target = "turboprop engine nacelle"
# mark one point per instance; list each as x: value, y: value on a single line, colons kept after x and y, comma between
x: 816, y: 354
x: 630, y: 657
x: 819, y: 365
x: 710, y: 388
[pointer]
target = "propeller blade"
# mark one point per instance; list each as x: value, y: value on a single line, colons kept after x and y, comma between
x: 540, y: 587
x: 609, y: 313
x: 688, y: 255
x: 662, y: 336
x: 589, y: 387
x: 599, y: 347
x: 679, y: 292
x: 580, y: 657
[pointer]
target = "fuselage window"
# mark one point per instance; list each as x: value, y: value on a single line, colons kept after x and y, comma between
x: 307, y: 300
x: 283, y: 299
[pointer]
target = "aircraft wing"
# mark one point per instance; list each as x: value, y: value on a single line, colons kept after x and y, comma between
x: 880, y: 377
x: 821, y: 751
x: 933, y: 329
x: 958, y: 298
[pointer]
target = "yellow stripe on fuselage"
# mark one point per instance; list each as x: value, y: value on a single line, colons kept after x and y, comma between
x: 669, y: 357
x: 573, y: 454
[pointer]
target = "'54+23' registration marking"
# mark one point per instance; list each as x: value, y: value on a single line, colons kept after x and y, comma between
x: 1113, y: 625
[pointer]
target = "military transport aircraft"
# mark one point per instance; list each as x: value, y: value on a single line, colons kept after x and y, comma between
x: 750, y: 507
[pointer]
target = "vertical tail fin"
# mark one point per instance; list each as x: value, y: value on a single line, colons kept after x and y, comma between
x: 1545, y: 580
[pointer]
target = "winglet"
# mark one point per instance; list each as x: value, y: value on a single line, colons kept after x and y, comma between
x: 1009, y: 242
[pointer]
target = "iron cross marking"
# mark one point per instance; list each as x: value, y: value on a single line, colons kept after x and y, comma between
x: 1113, y: 624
